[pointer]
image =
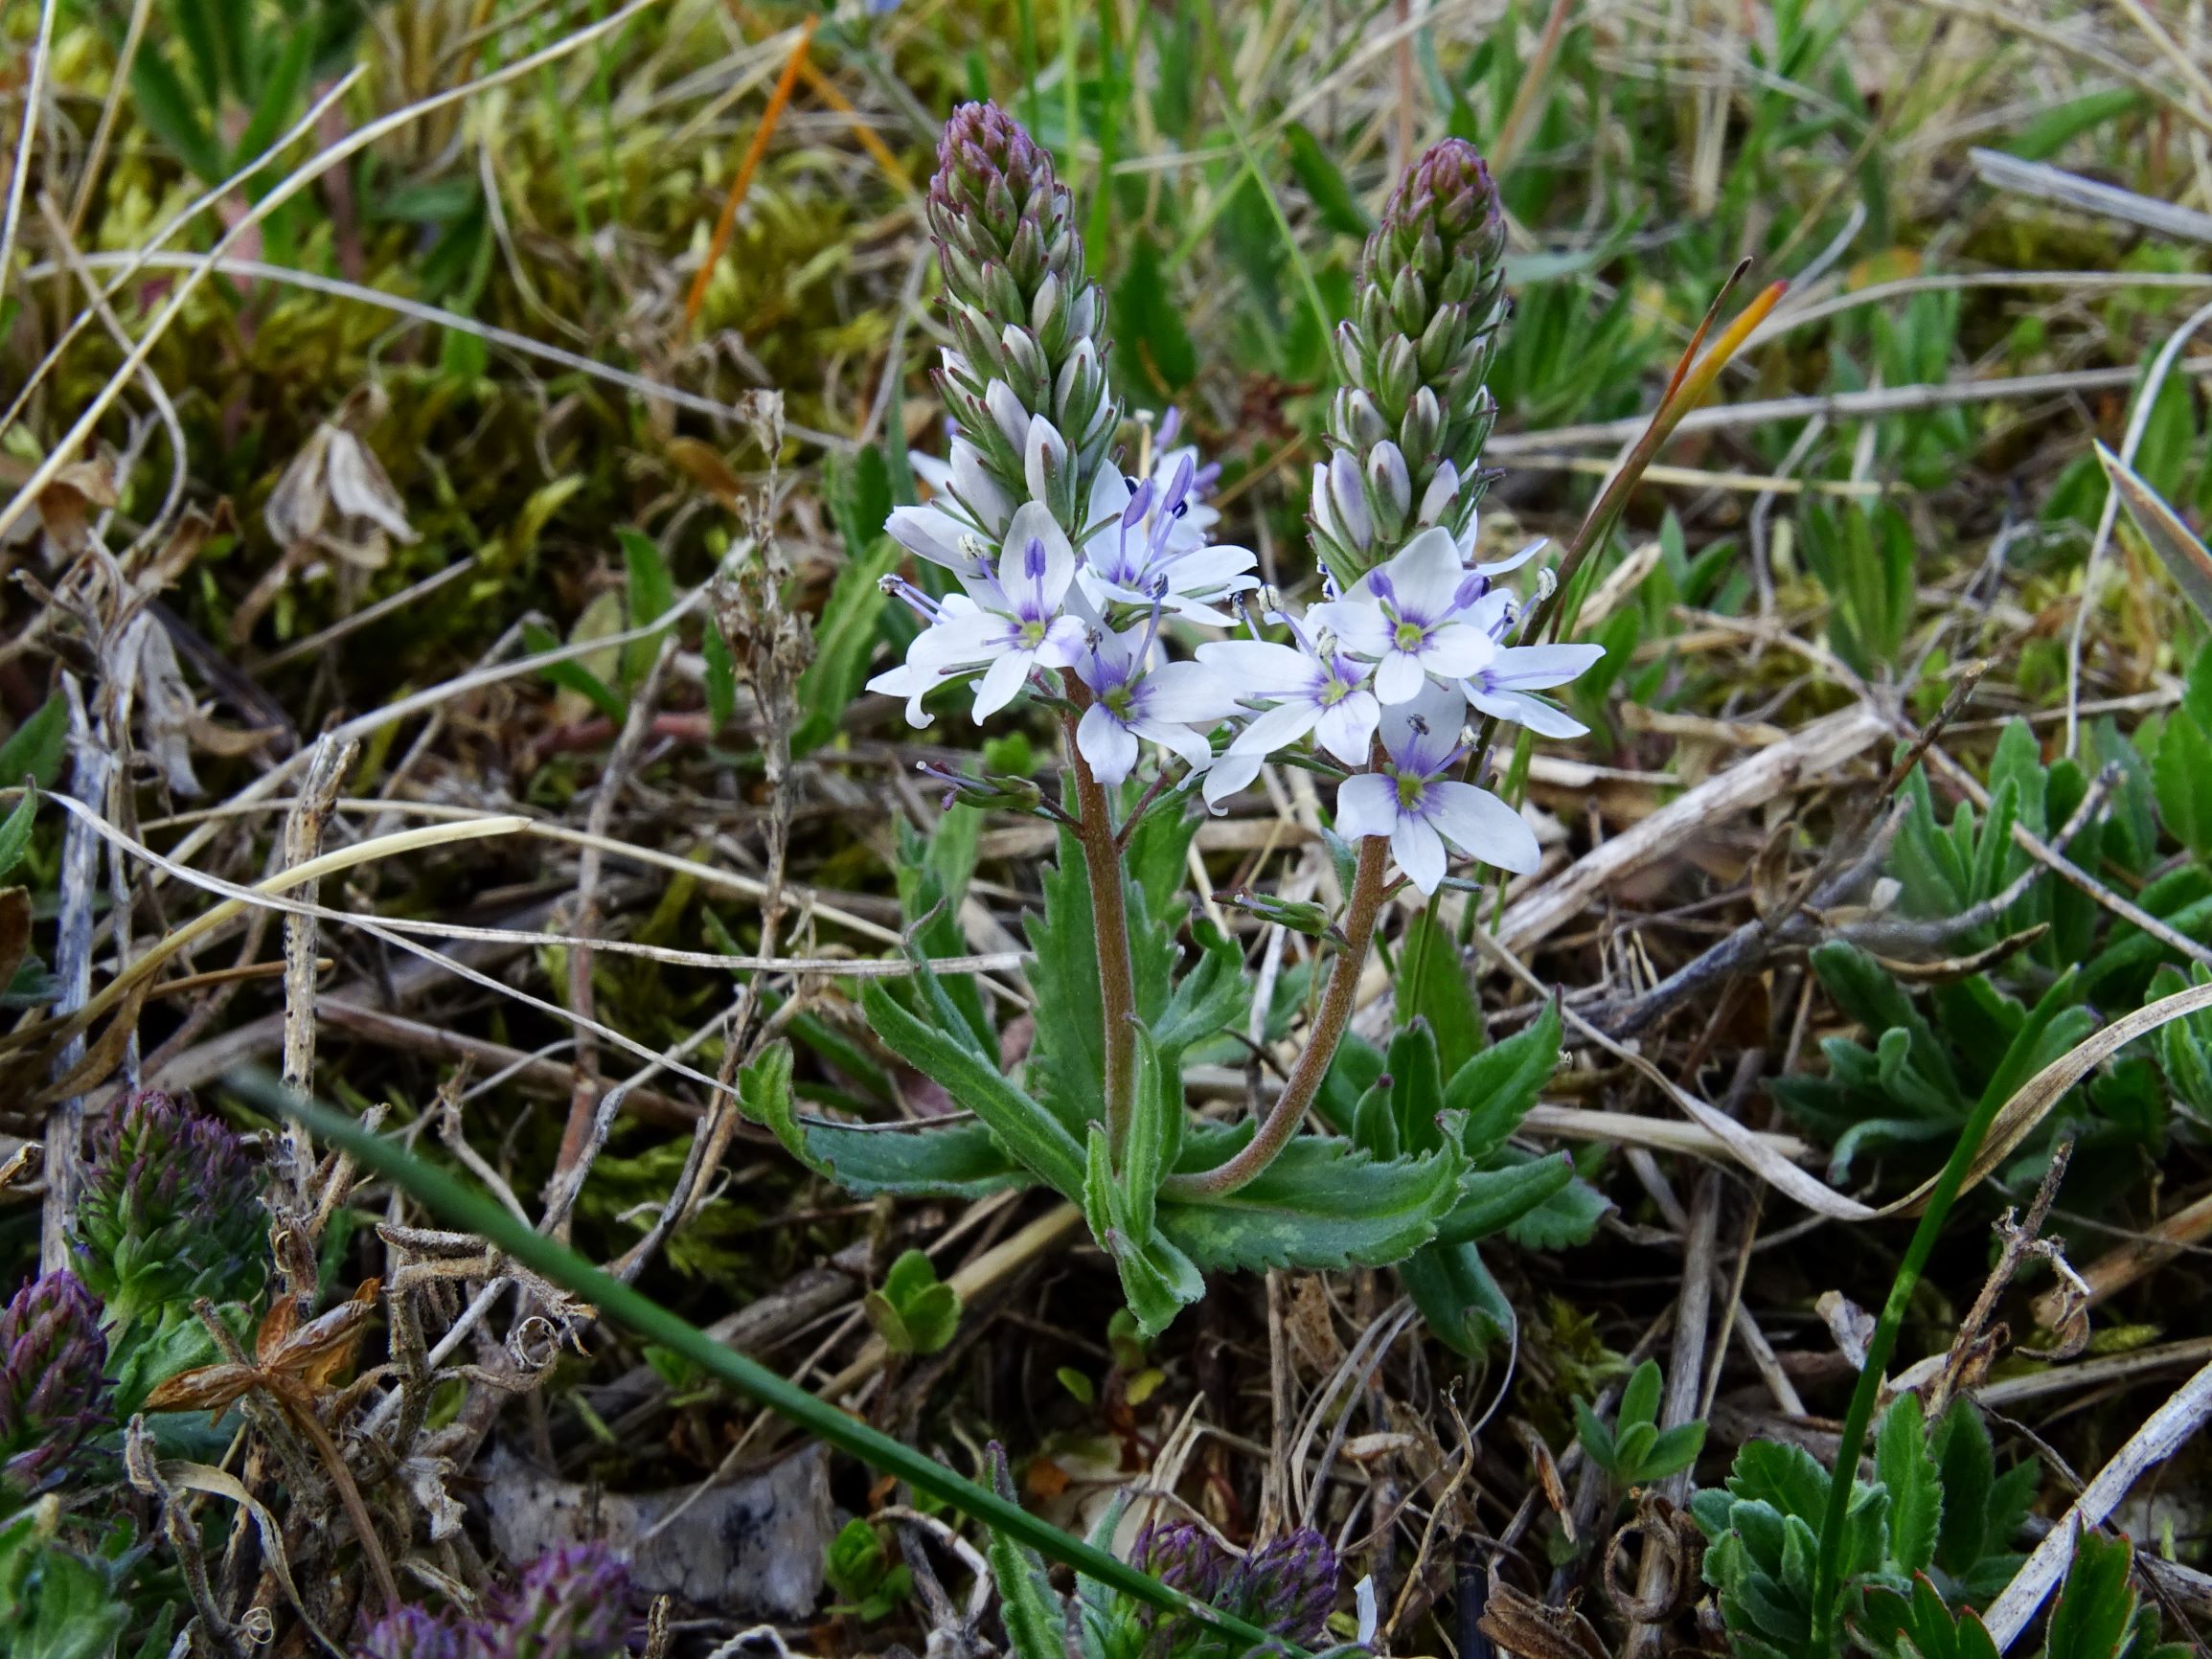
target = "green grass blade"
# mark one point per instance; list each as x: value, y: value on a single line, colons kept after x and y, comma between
x: 463, y: 1207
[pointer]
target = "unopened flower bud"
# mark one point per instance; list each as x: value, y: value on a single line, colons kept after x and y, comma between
x: 1299, y: 916
x: 52, y: 1393
x: 171, y: 1208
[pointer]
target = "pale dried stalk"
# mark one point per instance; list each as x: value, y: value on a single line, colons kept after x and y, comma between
x: 302, y: 842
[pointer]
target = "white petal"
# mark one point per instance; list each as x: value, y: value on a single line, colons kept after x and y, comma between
x: 999, y: 684
x: 1260, y: 668
x: 1184, y: 742
x: 1544, y: 720
x: 936, y: 473
x: 1512, y: 561
x: 1398, y: 678
x: 1008, y: 411
x: 1277, y: 729
x: 1366, y: 805
x: 1455, y: 650
x: 977, y: 490
x: 1189, y: 693
x: 1539, y: 667
x: 929, y: 533
x: 1483, y: 827
x: 1346, y: 729
x: 1043, y: 456
x: 1033, y: 521
x: 1232, y: 774
x: 1428, y: 573
x: 1359, y: 625
x: 1110, y: 746
x: 1420, y: 852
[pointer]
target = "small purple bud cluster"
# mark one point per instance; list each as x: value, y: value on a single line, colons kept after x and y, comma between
x: 171, y: 1210
x: 1287, y: 1587
x: 53, y: 1390
x: 569, y: 1603
x: 1406, y: 432
x: 1025, y: 377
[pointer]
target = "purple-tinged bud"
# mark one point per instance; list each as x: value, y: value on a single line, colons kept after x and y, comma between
x: 413, y: 1633
x: 1287, y: 1587
x: 1389, y: 479
x: 171, y: 1208
x: 569, y: 1603
x: 52, y: 1393
x: 1426, y: 315
x: 1348, y: 499
x: 1184, y: 1558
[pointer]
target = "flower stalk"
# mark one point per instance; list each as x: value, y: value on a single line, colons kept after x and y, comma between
x: 1282, y: 1118
x: 1101, y: 859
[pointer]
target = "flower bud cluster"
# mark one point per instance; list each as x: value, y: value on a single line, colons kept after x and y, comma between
x: 1411, y: 633
x: 53, y: 1391
x: 1025, y: 377
x: 1287, y: 1587
x: 171, y: 1208
x: 569, y: 1603
x: 1407, y: 431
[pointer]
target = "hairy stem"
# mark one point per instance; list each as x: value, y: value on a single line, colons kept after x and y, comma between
x: 1101, y: 859
x: 1282, y: 1117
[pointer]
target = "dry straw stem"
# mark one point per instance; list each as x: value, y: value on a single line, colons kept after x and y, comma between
x: 747, y: 168
x: 65, y: 449
x: 2157, y: 1440
x: 142, y: 968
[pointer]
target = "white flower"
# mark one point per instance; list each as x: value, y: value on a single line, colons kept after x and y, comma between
x: 1147, y: 545
x: 1409, y: 617
x: 1016, y: 627
x: 1172, y: 704
x: 1501, y: 687
x: 1411, y: 801
x: 1312, y: 687
x: 964, y: 522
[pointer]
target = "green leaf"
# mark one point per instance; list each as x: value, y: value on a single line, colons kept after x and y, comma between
x: 859, y: 489
x: 1492, y: 1200
x: 1333, y: 203
x: 1495, y: 1089
x: 957, y: 1161
x: 1640, y: 1398
x: 843, y: 638
x: 1570, y: 1215
x: 2181, y: 778
x: 1023, y: 1126
x: 913, y: 1311
x: 159, y: 100
x: 1416, y: 1088
x: 1916, y: 1500
x: 1321, y: 1204
x: 572, y: 675
x: 722, y: 676
x: 280, y: 93
x: 1158, y: 856
x: 2096, y: 1603
x: 651, y: 593
x: 1150, y: 324
x: 1211, y: 997
x: 1457, y: 1297
x: 2171, y: 538
x: 34, y: 749
x: 1030, y: 1608
x: 16, y: 831
x: 1597, y: 1438
x: 1155, y: 1135
x: 1675, y: 1450
x: 1158, y: 1279
x: 1433, y: 985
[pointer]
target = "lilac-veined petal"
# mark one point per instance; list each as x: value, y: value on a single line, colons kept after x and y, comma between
x: 999, y: 683
x: 1278, y: 728
x: 1009, y: 412
x: 1482, y: 826
x: 1454, y: 650
x: 1110, y: 746
x: 1043, y: 456
x: 1539, y: 667
x: 978, y: 492
x: 1189, y: 693
x: 1359, y: 625
x: 1231, y: 774
x: 913, y: 682
x: 1419, y: 852
x: 1512, y: 561
x: 1033, y: 521
x: 1184, y: 742
x: 930, y: 533
x: 1544, y: 720
x: 1425, y: 577
x: 960, y: 641
x: 936, y: 473
x: 1346, y: 729
x: 1399, y: 677
x: 1366, y: 805
x: 1260, y: 668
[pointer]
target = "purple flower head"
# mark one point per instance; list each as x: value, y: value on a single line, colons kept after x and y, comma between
x: 1184, y: 1556
x: 1288, y: 1587
x: 1413, y: 801
x: 414, y: 1633
x: 52, y: 1393
x: 570, y: 1603
x: 1444, y: 214
x: 171, y: 1208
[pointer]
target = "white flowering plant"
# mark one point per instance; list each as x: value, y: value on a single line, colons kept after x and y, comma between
x: 1047, y: 572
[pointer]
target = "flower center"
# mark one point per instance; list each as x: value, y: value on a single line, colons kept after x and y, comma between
x: 1411, y: 787
x: 1409, y: 636
x: 1333, y: 691
x: 1121, y: 702
x: 1031, y: 634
